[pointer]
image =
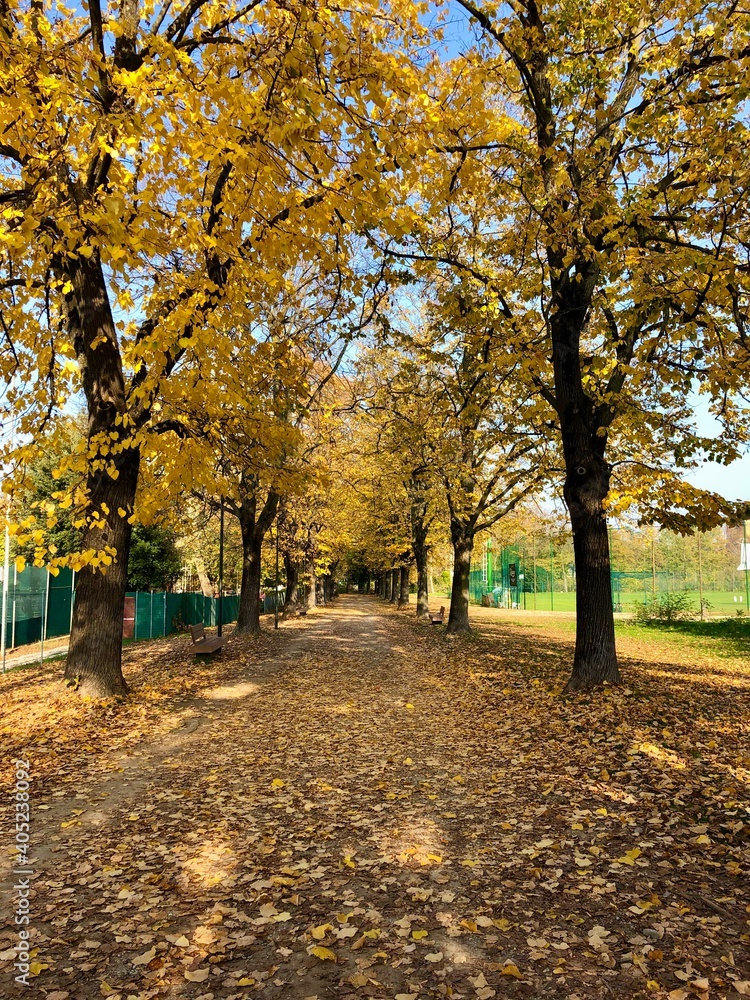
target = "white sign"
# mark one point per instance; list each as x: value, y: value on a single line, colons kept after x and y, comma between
x: 744, y: 556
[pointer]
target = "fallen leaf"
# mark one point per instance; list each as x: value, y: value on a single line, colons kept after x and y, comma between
x: 324, y: 954
x: 199, y: 976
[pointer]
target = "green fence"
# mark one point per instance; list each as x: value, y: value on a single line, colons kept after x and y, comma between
x: 537, y: 571
x: 159, y: 613
x: 39, y: 604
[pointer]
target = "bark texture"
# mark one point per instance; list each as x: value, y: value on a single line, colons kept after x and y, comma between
x: 403, y: 595
x: 419, y: 547
x: 94, y: 662
x: 395, y: 579
x: 291, y: 570
x: 458, y: 618
x: 254, y: 524
x: 583, y: 428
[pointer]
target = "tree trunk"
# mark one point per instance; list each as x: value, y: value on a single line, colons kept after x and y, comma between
x: 253, y: 531
x: 395, y: 576
x: 248, y: 616
x: 595, y: 659
x: 94, y: 662
x: 458, y: 619
x: 387, y: 578
x: 204, y: 580
x: 583, y: 429
x: 291, y: 569
x: 403, y: 596
x: 419, y: 545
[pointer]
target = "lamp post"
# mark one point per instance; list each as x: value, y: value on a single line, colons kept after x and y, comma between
x: 276, y: 580
x: 220, y: 609
x: 6, y: 574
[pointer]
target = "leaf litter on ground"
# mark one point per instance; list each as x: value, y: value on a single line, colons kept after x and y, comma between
x: 356, y: 806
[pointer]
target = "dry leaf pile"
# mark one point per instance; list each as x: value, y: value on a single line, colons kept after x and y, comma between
x: 356, y: 806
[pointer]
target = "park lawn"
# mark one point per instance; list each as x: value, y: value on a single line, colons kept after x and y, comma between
x: 720, y: 602
x: 359, y: 806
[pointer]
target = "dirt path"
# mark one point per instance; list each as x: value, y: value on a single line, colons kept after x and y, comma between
x: 353, y: 812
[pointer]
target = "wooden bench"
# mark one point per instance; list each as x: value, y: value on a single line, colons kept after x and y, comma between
x: 201, y: 643
x: 438, y: 618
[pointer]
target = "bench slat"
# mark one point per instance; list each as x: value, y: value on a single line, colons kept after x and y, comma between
x: 202, y: 643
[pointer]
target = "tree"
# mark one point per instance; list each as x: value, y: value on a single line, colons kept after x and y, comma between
x: 452, y: 415
x: 587, y: 193
x: 155, y: 561
x: 170, y: 166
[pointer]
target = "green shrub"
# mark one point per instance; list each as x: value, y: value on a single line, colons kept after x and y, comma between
x: 675, y: 607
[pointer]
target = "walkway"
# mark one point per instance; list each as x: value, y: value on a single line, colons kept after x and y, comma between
x: 352, y: 812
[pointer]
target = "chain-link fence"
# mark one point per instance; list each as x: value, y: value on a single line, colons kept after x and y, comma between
x: 537, y: 571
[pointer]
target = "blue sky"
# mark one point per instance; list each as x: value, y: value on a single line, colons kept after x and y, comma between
x: 731, y: 481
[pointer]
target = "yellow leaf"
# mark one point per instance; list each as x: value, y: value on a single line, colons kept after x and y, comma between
x: 277, y: 783
x: 105, y: 989
x: 20, y: 564
x: 324, y: 954
x: 418, y: 935
x: 246, y: 981
x: 319, y: 932
x: 36, y: 967
x: 510, y: 969
x: 629, y: 857
x: 409, y: 706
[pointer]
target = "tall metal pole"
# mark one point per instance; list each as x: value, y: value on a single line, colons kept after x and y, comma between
x: 276, y: 580
x: 551, y: 577
x: 220, y: 609
x: 6, y: 575
x: 700, y: 575
x: 45, y: 615
x: 533, y: 558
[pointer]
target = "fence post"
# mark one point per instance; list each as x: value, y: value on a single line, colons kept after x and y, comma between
x: 551, y: 576
x: 45, y: 617
x: 6, y: 574
x: 13, y: 622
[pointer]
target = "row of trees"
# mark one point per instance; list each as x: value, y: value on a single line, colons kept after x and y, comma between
x: 544, y: 237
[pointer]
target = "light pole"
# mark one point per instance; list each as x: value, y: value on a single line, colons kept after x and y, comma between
x: 276, y: 580
x: 220, y: 609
